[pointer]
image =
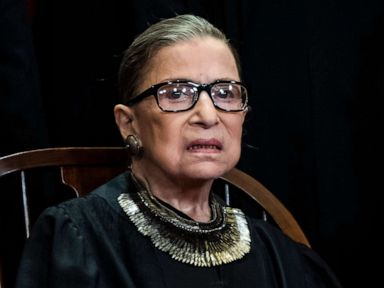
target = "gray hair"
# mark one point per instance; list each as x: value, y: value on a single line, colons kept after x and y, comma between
x: 162, y: 34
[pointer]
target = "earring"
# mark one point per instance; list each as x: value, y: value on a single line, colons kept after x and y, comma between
x: 133, y: 145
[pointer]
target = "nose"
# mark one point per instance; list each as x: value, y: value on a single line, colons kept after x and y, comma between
x: 205, y: 113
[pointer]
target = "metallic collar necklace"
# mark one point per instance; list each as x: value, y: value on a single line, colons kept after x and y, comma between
x: 222, y: 240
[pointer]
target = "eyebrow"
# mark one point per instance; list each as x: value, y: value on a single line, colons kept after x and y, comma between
x: 197, y: 82
x: 176, y: 79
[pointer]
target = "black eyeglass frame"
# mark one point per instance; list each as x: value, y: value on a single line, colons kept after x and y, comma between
x: 153, y: 90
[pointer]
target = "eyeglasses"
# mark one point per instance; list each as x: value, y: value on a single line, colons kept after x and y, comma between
x: 177, y: 96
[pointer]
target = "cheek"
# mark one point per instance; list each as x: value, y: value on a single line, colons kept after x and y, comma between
x: 235, y: 127
x: 236, y: 144
x: 235, y: 133
x: 164, y: 148
x: 161, y: 135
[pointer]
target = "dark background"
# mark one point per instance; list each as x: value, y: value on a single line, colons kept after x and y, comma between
x: 315, y: 72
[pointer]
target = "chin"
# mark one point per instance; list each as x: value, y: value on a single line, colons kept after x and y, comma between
x: 207, y: 172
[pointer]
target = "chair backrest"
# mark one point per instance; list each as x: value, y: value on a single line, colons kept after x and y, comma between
x: 85, y: 168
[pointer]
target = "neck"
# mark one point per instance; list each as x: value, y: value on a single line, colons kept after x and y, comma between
x: 188, y: 196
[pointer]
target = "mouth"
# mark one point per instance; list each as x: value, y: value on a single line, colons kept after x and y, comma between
x: 202, y: 145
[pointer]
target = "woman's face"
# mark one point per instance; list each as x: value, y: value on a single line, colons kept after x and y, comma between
x: 198, y: 144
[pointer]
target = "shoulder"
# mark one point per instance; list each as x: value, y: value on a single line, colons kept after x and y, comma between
x: 266, y: 230
x: 98, y: 205
x: 270, y: 239
x: 265, y: 234
x: 281, y: 249
x: 104, y: 196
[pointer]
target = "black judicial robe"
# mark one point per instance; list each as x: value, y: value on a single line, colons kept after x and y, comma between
x: 90, y: 242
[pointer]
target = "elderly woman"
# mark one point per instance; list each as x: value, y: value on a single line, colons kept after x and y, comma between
x: 159, y: 224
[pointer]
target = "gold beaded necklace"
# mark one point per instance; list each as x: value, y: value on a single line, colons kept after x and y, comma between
x: 222, y: 240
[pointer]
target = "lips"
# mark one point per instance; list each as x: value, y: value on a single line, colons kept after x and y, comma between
x: 205, y: 145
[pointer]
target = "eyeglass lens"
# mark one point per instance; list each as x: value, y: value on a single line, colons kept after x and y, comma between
x: 182, y: 96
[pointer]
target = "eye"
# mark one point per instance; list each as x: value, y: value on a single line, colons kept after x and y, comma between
x: 177, y: 93
x: 225, y: 92
x: 172, y: 93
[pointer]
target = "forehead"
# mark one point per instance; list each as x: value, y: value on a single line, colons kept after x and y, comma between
x: 201, y: 60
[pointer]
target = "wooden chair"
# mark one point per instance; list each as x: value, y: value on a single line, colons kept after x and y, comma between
x: 85, y: 168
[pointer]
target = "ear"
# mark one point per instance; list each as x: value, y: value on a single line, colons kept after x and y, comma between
x: 123, y: 117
